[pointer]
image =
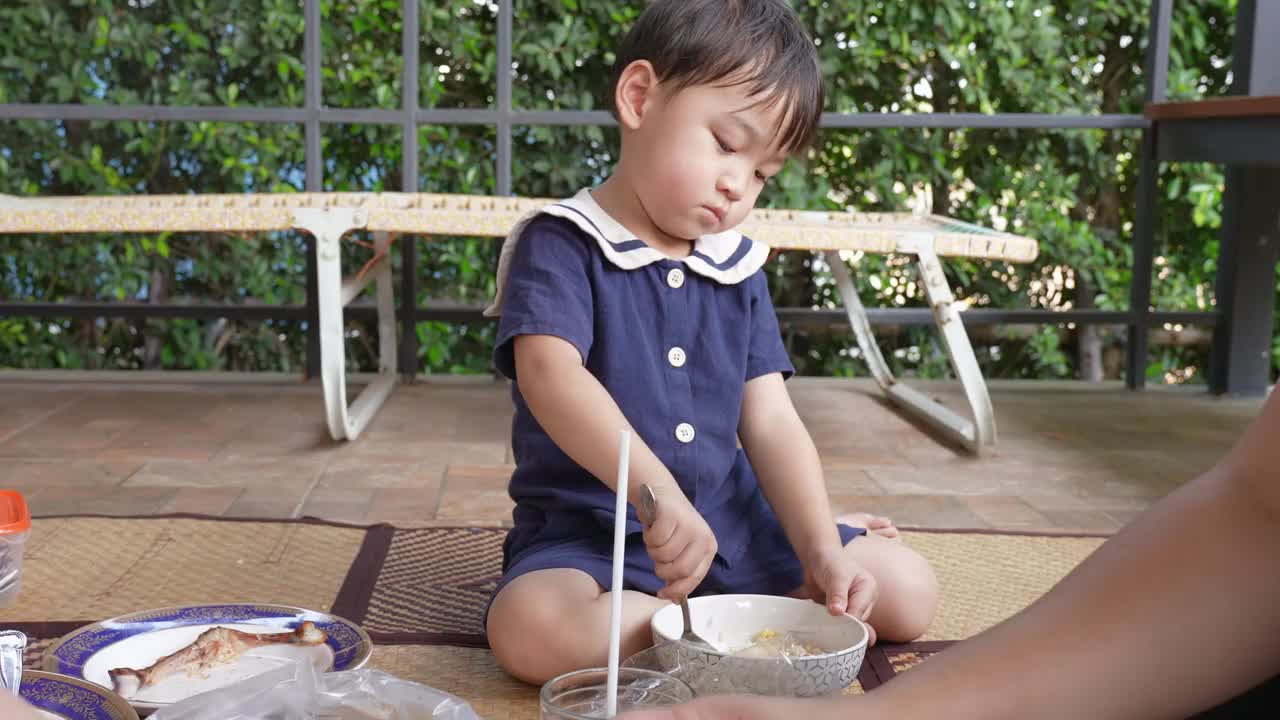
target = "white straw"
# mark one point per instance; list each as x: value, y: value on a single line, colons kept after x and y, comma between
x: 619, y: 544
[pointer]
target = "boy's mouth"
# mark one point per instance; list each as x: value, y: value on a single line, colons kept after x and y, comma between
x: 719, y: 213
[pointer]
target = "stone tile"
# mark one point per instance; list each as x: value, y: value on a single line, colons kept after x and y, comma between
x: 202, y: 500
x: 100, y: 501
x: 484, y: 427
x: 1047, y: 502
x: 955, y: 479
x: 849, y: 477
x: 476, y: 493
x: 338, y: 512
x: 837, y: 441
x: 310, y: 443
x: 269, y: 502
x: 339, y: 504
x: 37, y: 474
x: 926, y: 511
x: 1082, y: 520
x: 1008, y: 513
x: 262, y: 510
x: 184, y: 440
x: 429, y: 452
x: 1124, y: 517
x: 23, y: 408
x: 1071, y: 453
x: 65, y: 440
x: 403, y: 505
x: 248, y: 473
x: 488, y: 475
x: 358, y: 472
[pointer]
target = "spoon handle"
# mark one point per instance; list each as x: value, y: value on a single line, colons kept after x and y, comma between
x: 648, y: 506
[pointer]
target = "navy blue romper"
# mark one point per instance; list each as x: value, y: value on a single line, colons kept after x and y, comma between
x: 674, y: 343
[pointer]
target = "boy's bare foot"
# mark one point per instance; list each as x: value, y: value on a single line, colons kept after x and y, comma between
x: 877, y: 524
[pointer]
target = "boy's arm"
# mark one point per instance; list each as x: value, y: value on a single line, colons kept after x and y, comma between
x: 582, y: 418
x: 580, y: 415
x: 787, y: 466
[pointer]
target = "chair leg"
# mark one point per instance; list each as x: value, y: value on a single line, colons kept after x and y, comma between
x: 859, y: 322
x: 975, y: 435
x: 328, y: 226
x: 366, y: 405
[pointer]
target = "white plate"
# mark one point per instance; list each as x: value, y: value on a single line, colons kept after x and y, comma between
x: 140, y: 639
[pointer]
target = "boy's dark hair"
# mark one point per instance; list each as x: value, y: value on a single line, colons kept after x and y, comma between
x: 760, y: 43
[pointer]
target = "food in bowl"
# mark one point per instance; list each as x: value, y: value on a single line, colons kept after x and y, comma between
x: 770, y: 643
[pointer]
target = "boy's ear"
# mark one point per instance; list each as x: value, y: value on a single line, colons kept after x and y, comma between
x: 636, y: 90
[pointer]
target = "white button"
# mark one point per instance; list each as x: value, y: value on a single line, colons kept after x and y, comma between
x: 676, y: 357
x: 684, y: 433
x: 675, y: 278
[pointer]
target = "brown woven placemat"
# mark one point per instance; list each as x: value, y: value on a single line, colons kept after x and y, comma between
x: 434, y: 585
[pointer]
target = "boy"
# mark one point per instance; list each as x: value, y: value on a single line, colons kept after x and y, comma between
x: 636, y: 305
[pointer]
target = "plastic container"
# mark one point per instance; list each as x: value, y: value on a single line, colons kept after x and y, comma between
x: 15, y: 525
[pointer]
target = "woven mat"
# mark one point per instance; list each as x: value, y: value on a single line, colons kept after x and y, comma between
x: 434, y: 582
x: 421, y: 593
x: 96, y: 568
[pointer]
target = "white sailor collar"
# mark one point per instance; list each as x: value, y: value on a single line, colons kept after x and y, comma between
x: 727, y: 258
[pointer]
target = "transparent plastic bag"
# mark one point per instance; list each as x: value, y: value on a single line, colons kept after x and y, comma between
x: 296, y: 691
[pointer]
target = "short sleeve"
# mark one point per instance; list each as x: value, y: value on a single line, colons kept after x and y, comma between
x: 765, y: 351
x: 547, y: 291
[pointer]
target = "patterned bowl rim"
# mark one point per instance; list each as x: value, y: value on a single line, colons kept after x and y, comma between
x: 364, y: 650
x: 113, y: 700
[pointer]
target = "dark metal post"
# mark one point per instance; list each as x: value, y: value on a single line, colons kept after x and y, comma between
x: 313, y: 161
x: 1157, y: 68
x: 408, y: 360
x: 505, y: 10
x: 1240, y: 362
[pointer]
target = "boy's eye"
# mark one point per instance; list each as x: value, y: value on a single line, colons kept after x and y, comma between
x: 724, y: 147
x: 762, y: 177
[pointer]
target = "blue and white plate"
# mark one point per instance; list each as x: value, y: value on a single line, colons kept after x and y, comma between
x: 138, y: 640
x: 58, y: 697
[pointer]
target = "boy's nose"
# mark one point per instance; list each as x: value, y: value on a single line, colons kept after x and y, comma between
x: 731, y: 187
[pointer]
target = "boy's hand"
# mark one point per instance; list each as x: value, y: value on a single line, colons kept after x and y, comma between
x: 680, y: 542
x: 839, y: 582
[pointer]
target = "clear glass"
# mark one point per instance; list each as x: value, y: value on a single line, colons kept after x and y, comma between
x: 581, y: 695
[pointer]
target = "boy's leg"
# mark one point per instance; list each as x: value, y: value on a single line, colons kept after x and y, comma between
x: 908, y: 587
x: 548, y: 622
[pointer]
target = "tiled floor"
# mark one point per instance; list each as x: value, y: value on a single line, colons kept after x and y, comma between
x: 1070, y: 456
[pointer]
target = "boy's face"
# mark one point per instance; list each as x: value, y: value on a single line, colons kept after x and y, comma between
x: 702, y: 155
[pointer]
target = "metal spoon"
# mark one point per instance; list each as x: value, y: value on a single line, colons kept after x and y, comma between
x: 648, y: 515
